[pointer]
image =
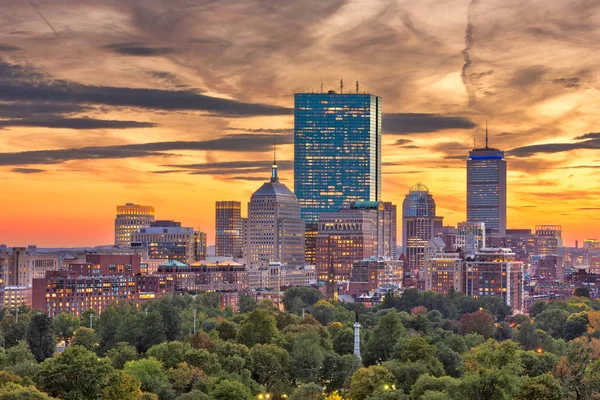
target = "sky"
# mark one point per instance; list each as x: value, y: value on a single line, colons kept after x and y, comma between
x: 175, y: 104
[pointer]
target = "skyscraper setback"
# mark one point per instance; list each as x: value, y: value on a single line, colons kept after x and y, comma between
x: 486, y: 188
x: 337, y: 154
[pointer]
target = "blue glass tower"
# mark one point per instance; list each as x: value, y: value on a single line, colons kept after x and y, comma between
x: 486, y: 188
x: 337, y: 151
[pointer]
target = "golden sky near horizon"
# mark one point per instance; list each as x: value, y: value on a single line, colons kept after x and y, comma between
x: 174, y: 104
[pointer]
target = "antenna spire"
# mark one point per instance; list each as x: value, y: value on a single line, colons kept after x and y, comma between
x: 356, y: 87
x: 274, y: 177
x: 342, y: 86
x: 486, y: 135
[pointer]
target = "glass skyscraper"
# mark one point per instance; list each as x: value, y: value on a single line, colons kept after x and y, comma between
x: 337, y: 151
x: 337, y: 154
x: 486, y: 188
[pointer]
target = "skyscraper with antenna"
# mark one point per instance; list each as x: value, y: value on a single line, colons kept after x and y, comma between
x: 486, y: 187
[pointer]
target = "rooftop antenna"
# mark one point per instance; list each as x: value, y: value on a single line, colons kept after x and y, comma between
x: 274, y: 177
x: 321, y: 87
x: 356, y: 87
x: 486, y: 135
x: 342, y: 85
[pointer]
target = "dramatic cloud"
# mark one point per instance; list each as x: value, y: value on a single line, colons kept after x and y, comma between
x: 231, y: 167
x: 75, y: 123
x: 423, y: 123
x: 18, y: 83
x: 233, y: 143
x: 550, y: 148
x: 590, y: 135
x: 7, y: 47
x: 28, y: 109
x: 139, y: 49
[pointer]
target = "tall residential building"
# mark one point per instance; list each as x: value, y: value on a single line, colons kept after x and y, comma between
x: 495, y: 272
x: 522, y: 242
x: 229, y: 240
x: 362, y: 230
x: 443, y: 270
x: 471, y: 236
x: 337, y: 154
x: 275, y: 230
x: 419, y: 225
x: 20, y: 265
x: 486, y: 188
x: 169, y: 240
x: 129, y: 219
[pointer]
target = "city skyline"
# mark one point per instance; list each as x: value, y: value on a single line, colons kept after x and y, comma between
x: 153, y: 111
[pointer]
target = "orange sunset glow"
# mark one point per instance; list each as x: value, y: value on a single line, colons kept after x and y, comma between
x: 175, y: 104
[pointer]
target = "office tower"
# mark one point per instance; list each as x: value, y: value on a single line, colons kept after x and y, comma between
x: 337, y: 154
x: 548, y: 240
x: 550, y: 268
x: 169, y: 240
x: 20, y: 265
x: 419, y: 225
x: 200, y: 239
x: 471, y: 236
x: 373, y: 273
x: 384, y: 213
x: 495, y: 272
x: 486, y: 188
x: 229, y: 240
x: 443, y: 270
x: 275, y: 230
x: 129, y: 219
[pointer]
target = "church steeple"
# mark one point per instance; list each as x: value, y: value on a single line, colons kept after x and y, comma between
x: 274, y: 177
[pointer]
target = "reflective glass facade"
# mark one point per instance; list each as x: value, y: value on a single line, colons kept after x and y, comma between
x: 337, y: 151
x: 486, y: 189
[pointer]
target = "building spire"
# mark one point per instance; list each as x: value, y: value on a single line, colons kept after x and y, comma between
x: 486, y: 135
x: 274, y: 177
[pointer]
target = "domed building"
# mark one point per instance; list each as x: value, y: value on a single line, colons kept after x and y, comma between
x: 275, y: 230
x: 419, y: 225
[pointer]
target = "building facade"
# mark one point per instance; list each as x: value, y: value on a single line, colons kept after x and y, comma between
x: 443, y: 270
x: 548, y: 240
x: 275, y: 230
x: 419, y: 225
x: 130, y: 218
x: 486, y: 188
x: 229, y: 238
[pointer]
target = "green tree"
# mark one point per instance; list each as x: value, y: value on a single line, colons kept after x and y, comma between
x: 246, y: 303
x: 427, y: 383
x: 120, y: 354
x: 552, y: 321
x: 270, y: 365
x: 575, y: 326
x: 527, y: 336
x: 540, y: 387
x: 418, y: 349
x: 323, y: 312
x: 14, y: 391
x: 121, y: 387
x: 170, y: 353
x: 452, y: 362
x: 75, y: 374
x: 308, y: 391
x: 108, y: 324
x: 297, y: 298
x: 14, y: 331
x: 229, y: 389
x: 88, y: 316
x: 307, y: 357
x: 227, y: 330
x: 366, y: 381
x: 343, y: 341
x: 258, y: 328
x: 182, y: 377
x: 40, y: 337
x: 384, y: 337
x: 582, y: 292
x: 337, y: 370
x: 149, y: 371
x: 65, y: 326
x: 194, y: 395
x: 85, y: 337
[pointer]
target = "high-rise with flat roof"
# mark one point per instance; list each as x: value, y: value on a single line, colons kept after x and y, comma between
x: 337, y: 154
x: 229, y: 240
x: 486, y: 188
x: 130, y: 218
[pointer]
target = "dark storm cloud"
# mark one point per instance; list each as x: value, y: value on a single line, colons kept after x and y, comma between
x: 423, y: 123
x: 19, y: 83
x: 138, y: 49
x: 7, y: 47
x: 233, y: 143
x: 27, y: 109
x: 27, y: 170
x: 568, y: 82
x: 550, y: 148
x: 589, y: 135
x: 75, y: 123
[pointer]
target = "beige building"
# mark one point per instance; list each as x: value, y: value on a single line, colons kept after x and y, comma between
x: 20, y: 265
x: 130, y: 218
